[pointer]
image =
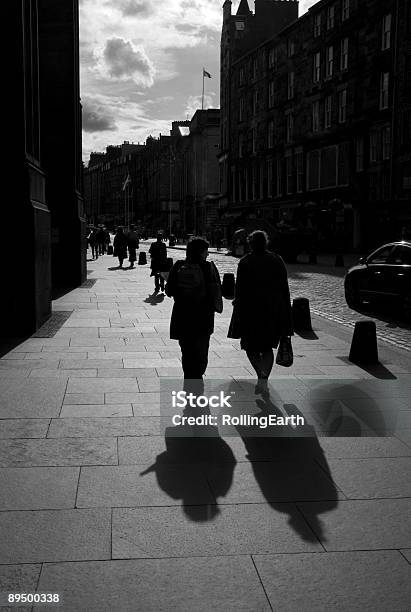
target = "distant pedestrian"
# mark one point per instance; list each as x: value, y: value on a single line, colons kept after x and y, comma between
x: 195, y: 285
x: 101, y: 240
x: 158, y: 254
x: 107, y: 239
x: 132, y: 245
x: 262, y: 309
x: 120, y: 246
x: 93, y: 242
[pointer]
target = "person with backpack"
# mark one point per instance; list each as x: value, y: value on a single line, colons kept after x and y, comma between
x: 158, y: 254
x: 133, y: 244
x: 195, y: 285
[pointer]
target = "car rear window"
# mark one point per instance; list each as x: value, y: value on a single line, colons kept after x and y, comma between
x: 401, y: 256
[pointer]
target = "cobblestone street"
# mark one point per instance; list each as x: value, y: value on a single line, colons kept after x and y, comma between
x: 323, y: 285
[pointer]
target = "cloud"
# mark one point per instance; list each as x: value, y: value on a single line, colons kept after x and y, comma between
x: 96, y: 118
x: 132, y: 8
x: 194, y: 103
x: 125, y: 61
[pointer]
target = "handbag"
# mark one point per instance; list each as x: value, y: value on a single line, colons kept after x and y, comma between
x: 285, y: 355
x: 216, y: 292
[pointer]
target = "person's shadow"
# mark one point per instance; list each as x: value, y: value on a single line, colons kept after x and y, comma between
x: 195, y: 452
x: 289, y: 466
x: 155, y: 298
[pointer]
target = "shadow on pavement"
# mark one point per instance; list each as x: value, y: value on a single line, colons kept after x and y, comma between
x: 155, y: 298
x: 307, y: 335
x: 377, y: 370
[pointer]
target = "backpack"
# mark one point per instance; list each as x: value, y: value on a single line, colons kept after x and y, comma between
x: 191, y: 282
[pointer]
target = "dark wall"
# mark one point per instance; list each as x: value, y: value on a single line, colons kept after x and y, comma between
x: 61, y: 138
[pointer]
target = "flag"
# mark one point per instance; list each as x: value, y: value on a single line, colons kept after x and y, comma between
x: 126, y: 182
x: 206, y: 74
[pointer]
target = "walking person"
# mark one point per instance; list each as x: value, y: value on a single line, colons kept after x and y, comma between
x: 101, y: 240
x: 120, y: 246
x: 132, y: 245
x: 158, y: 254
x: 195, y: 285
x: 93, y: 242
x: 262, y: 310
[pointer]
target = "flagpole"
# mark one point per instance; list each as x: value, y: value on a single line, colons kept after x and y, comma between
x: 202, y: 96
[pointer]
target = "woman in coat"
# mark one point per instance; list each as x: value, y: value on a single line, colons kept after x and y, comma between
x: 120, y: 246
x: 262, y: 309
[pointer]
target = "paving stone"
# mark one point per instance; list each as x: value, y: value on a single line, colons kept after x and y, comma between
x: 150, y: 409
x: 150, y: 363
x: 120, y: 398
x: 55, y: 355
x: 360, y: 581
x: 358, y: 448
x: 77, y: 332
x: 99, y: 410
x: 54, y: 535
x: 103, y: 427
x: 126, y: 373
x: 63, y: 374
x: 362, y: 524
x: 373, y: 478
x: 24, y: 364
x: 23, y: 428
x: 30, y: 453
x: 14, y: 372
x: 31, y: 398
x: 228, y: 584
x: 162, y: 485
x: 83, y: 398
x: 407, y: 554
x: 103, y: 385
x: 209, y: 530
x: 404, y: 435
x: 84, y: 364
x: 281, y: 481
x: 38, y: 488
x: 139, y: 355
x: 18, y: 579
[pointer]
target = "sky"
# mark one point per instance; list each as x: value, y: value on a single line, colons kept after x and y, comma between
x: 141, y: 64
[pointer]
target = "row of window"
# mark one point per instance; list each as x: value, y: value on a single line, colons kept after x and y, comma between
x: 386, y: 26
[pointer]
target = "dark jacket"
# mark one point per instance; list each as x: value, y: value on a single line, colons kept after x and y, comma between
x: 158, y: 253
x: 120, y: 245
x: 262, y: 309
x: 190, y: 319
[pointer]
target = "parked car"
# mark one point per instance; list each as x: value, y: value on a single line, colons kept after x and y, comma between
x: 383, y: 276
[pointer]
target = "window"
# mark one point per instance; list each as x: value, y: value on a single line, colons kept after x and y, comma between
x: 279, y: 177
x: 386, y: 32
x: 384, y: 85
x: 373, y: 145
x: 316, y: 116
x: 380, y: 256
x: 327, y: 111
x: 359, y: 154
x: 255, y: 68
x: 254, y: 140
x: 386, y: 142
x: 270, y: 178
x: 270, y: 134
x: 329, y: 62
x: 272, y: 58
x: 330, y: 17
x: 317, y: 25
x: 345, y: 9
x: 290, y: 85
x: 241, y: 110
x: 290, y: 47
x: 241, y: 76
x: 240, y: 145
x: 313, y: 170
x: 344, y: 54
x: 290, y: 127
x: 342, y: 106
x: 401, y: 256
x: 299, y: 163
x: 328, y: 167
x: 343, y: 163
x: 255, y: 101
x: 316, y: 67
x: 289, y: 173
x: 271, y: 93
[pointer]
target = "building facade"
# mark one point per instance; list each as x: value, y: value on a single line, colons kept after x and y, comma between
x: 43, y: 235
x: 173, y: 181
x: 312, y: 113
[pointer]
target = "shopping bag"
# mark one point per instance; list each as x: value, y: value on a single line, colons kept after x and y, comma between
x: 285, y: 355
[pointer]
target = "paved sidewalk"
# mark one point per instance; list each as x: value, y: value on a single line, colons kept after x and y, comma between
x: 98, y: 506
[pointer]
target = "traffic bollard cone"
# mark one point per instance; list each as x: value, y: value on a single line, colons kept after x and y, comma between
x: 364, y: 347
x: 301, y: 314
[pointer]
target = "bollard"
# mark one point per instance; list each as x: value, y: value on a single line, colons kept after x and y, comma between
x: 142, y: 258
x: 364, y: 347
x: 228, y: 286
x: 301, y: 314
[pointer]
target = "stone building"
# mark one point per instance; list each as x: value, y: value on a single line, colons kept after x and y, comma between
x: 44, y: 230
x: 309, y: 121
